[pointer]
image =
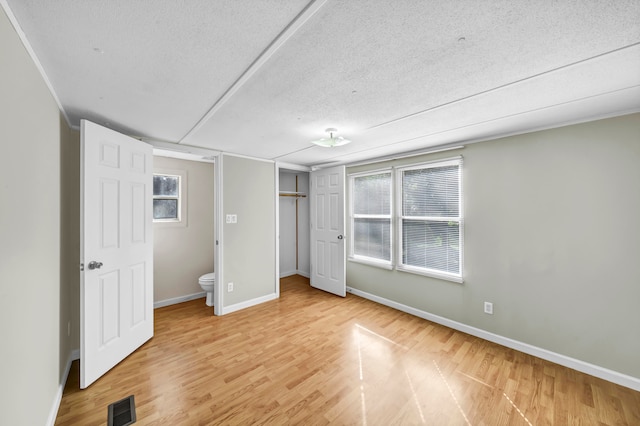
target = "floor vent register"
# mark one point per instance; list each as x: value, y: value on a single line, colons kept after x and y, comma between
x: 123, y: 412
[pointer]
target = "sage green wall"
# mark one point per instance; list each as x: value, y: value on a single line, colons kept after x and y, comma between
x: 552, y: 238
x: 183, y: 252
x: 70, y: 235
x: 249, y: 260
x: 34, y: 349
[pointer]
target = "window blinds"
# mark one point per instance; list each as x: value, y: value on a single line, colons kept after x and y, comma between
x: 372, y: 216
x: 430, y: 217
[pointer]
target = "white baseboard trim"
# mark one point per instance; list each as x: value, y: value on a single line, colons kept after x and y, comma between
x: 576, y: 364
x: 247, y: 304
x: 298, y: 272
x: 175, y: 300
x: 53, y: 413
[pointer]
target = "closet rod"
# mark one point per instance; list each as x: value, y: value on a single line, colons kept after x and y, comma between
x: 284, y: 194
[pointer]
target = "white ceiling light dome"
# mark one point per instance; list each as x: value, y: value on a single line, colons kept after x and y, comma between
x: 332, y: 140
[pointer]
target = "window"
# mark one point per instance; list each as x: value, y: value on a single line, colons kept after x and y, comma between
x: 430, y: 219
x: 419, y: 229
x: 371, y: 216
x: 166, y: 198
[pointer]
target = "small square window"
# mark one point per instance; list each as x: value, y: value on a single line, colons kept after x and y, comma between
x: 166, y: 198
x: 165, y: 209
x: 166, y: 186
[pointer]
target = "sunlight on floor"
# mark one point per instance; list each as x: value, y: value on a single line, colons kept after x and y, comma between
x: 376, y: 353
x: 380, y: 344
x: 451, y: 392
x: 415, y: 397
x: 363, y: 402
x: 517, y: 409
x: 359, y: 327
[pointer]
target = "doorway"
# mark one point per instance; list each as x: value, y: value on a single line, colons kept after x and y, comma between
x: 184, y: 239
x: 294, y: 228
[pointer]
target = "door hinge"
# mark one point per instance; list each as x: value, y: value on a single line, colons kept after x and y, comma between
x: 82, y: 267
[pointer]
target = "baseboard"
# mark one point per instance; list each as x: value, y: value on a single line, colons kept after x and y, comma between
x: 175, y: 300
x: 247, y: 304
x: 53, y: 413
x: 290, y: 273
x: 575, y: 364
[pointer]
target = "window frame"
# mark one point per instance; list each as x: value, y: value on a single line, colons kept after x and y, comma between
x: 396, y: 237
x: 382, y: 263
x: 435, y: 273
x: 181, y: 176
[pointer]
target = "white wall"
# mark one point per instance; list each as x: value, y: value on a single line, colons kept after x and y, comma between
x: 288, y: 223
x: 35, y: 345
x: 552, y: 238
x: 184, y: 251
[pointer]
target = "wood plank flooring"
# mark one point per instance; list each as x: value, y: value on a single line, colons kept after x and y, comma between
x: 312, y: 358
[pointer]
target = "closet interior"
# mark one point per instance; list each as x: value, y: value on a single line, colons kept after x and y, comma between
x: 294, y: 223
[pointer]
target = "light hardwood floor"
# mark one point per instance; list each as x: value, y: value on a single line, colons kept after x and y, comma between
x: 313, y: 358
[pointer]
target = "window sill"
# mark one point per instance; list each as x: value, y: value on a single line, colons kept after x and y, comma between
x: 431, y: 274
x: 170, y: 223
x: 371, y: 262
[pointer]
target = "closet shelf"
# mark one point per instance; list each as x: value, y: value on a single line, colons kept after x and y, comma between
x: 292, y: 194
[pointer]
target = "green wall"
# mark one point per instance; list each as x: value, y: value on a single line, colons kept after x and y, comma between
x: 249, y: 260
x: 552, y: 239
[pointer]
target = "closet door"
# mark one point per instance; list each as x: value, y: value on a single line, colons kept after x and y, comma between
x: 328, y: 254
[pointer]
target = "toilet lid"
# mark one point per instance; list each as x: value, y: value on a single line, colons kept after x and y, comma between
x: 208, y: 277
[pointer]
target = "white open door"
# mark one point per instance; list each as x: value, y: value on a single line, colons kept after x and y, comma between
x: 116, y: 285
x: 328, y: 255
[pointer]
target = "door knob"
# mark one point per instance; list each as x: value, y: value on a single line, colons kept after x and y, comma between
x: 95, y: 265
x: 340, y: 237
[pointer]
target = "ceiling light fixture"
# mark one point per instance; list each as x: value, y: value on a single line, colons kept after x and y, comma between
x: 331, y: 141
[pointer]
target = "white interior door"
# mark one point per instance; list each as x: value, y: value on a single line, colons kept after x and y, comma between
x: 328, y: 255
x: 116, y: 286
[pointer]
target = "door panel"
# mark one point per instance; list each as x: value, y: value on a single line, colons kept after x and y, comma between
x: 138, y: 294
x: 335, y: 213
x: 109, y: 202
x: 336, y: 260
x: 116, y: 297
x: 320, y: 264
x: 108, y: 307
x: 328, y: 254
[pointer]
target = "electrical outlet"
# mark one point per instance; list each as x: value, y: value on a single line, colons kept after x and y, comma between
x: 230, y: 287
x: 488, y: 308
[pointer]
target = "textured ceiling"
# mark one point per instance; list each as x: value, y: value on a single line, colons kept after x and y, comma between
x: 264, y: 77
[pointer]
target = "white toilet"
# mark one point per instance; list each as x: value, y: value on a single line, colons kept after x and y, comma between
x: 207, y: 282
